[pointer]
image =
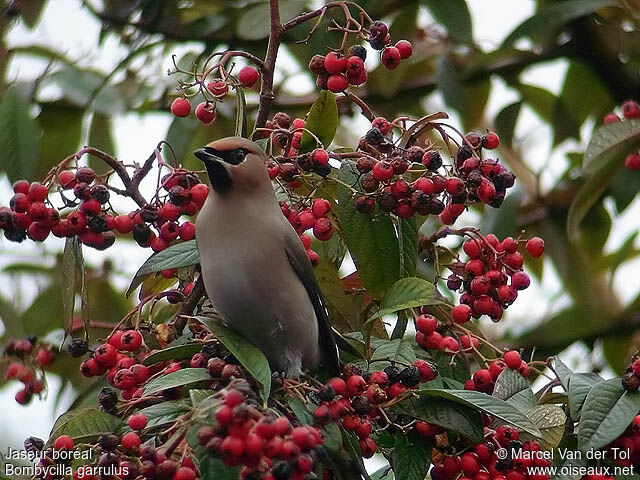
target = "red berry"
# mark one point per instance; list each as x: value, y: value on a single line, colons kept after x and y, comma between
x: 611, y: 118
x: 339, y: 386
x: 482, y: 378
x: 106, y: 355
x: 454, y: 186
x: 321, y: 207
x: 337, y: 83
x: 138, y: 421
x: 319, y: 157
x: 356, y: 385
x: 461, y: 313
x: 123, y: 223
x: 427, y: 429
x: 37, y: 192
x: 184, y: 473
x: 45, y: 357
x: 248, y: 76
x: 206, y: 112
x: 282, y: 426
x: 335, y: 63
x: 535, y: 247
x: 469, y: 464
x: 233, y: 398
x: 199, y: 194
x: 405, y: 48
x: 63, y: 442
x: 67, y: 179
x: 426, y: 324
x: 218, y: 87
x: 380, y: 378
x: 21, y: 186
x: 449, y: 345
x: 632, y: 162
x: 181, y: 107
x: 130, y: 441
x: 91, y: 206
x: 390, y: 58
x: 323, y: 229
x: 187, y: 231
x: 630, y: 109
x: 520, y: 280
x: 131, y: 340
x: 381, y: 124
x: 512, y: 359
x: 472, y: 248
x: 432, y: 341
x: 490, y: 141
x: 382, y: 171
x: 427, y: 372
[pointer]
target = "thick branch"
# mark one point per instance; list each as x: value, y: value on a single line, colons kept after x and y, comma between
x: 266, y: 88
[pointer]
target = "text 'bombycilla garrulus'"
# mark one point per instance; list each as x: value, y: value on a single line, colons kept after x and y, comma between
x: 254, y: 266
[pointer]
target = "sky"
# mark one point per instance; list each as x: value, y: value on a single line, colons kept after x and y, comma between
x: 491, y: 25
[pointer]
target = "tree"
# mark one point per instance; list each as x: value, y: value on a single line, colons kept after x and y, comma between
x: 446, y: 399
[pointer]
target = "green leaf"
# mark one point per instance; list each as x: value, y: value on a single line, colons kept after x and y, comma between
x: 69, y: 269
x: 179, y: 255
x: 408, y: 243
x: 407, y: 293
x: 371, y: 239
x: 393, y: 351
x: 247, y: 354
x: 580, y: 384
x: 595, y: 228
x: 180, y: 378
x: 445, y: 413
x: 450, y: 84
x: 505, y: 122
x: 608, y: 410
x: 19, y: 137
x: 487, y: 404
x: 611, y: 142
x: 580, y: 78
x: 165, y: 413
x: 61, y: 130
x: 212, y: 468
x: 178, y: 352
x: 589, y: 194
x: 411, y: 456
x: 85, y: 425
x: 550, y: 420
x: 477, y: 95
x: 343, y: 310
x: 322, y: 120
x: 254, y: 22
x: 241, y: 114
x: 455, y: 16
x: 35, y: 320
x: 513, y: 388
x: 300, y: 410
x: 199, y: 395
x: 553, y: 16
x: 562, y: 371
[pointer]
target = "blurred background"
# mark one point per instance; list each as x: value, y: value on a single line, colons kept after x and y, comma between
x: 540, y: 73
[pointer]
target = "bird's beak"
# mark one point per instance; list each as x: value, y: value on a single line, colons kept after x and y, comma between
x: 207, y: 154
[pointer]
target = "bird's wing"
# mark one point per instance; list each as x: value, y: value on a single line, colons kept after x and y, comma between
x: 303, y: 268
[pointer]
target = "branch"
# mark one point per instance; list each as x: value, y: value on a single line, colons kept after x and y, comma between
x: 266, y: 88
x: 187, y: 307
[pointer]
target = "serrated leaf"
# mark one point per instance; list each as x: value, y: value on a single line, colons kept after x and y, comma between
x: 553, y: 16
x: 550, y: 420
x: 322, y: 120
x: 85, y: 425
x: 487, y: 404
x: 407, y: 293
x: 178, y: 352
x: 445, y: 413
x: 180, y: 378
x: 246, y: 353
x: 455, y: 16
x: 179, y: 255
x: 19, y: 137
x: 513, y: 388
x: 165, y: 413
x: 411, y: 456
x: 608, y: 410
x: 393, y: 351
x: 371, y: 239
x: 611, y: 142
x: 579, y: 386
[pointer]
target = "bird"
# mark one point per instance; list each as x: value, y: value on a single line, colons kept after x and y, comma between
x: 255, y: 269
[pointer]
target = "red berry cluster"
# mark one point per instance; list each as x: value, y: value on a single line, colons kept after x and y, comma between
x: 218, y: 88
x: 630, y: 110
x: 482, y: 462
x: 315, y: 217
x: 483, y: 379
x: 470, y: 180
x: 31, y: 213
x: 356, y: 401
x: 115, y: 358
x: 267, y: 447
x: 492, y: 276
x: 24, y: 357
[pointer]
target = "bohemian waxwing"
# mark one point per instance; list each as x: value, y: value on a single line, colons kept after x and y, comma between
x: 254, y: 266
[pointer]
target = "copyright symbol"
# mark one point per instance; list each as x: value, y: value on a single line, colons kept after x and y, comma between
x: 502, y: 453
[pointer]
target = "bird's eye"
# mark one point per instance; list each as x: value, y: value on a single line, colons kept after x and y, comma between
x: 237, y: 156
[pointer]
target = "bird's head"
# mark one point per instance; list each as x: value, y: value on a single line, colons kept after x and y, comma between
x: 234, y: 164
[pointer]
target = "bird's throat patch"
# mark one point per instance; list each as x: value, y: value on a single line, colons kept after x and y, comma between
x: 219, y: 177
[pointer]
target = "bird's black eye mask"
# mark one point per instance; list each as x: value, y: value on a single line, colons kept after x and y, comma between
x: 218, y: 175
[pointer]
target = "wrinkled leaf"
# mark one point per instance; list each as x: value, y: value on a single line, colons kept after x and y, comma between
x: 550, y: 420
x: 455, y: 16
x: 513, y: 388
x: 580, y: 385
x: 411, y: 456
x: 407, y: 293
x: 180, y: 378
x: 85, y: 425
x: 611, y: 142
x: 322, y: 120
